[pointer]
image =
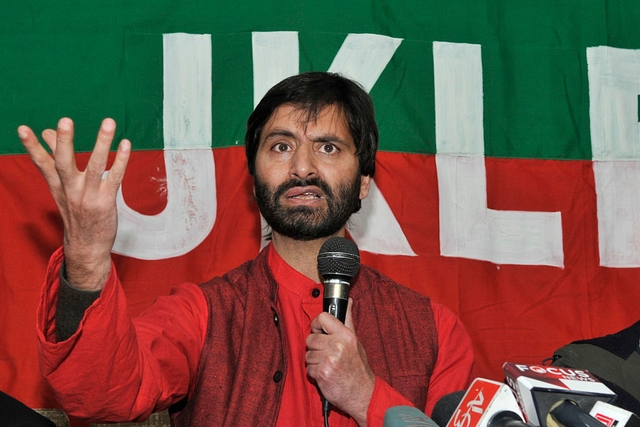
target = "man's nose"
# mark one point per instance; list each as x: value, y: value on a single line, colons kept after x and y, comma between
x: 304, y: 163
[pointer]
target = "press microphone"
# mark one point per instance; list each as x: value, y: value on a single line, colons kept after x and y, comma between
x: 613, y: 416
x: 406, y: 416
x: 338, y: 263
x: 567, y: 413
x: 538, y: 388
x: 445, y: 407
x: 507, y: 419
x: 484, y: 399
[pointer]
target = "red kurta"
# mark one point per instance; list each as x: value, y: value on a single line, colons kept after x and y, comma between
x: 175, y: 352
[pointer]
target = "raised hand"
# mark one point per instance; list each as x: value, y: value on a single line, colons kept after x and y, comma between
x: 337, y: 361
x: 86, y: 199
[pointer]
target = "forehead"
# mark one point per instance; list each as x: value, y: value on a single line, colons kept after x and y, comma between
x: 330, y: 120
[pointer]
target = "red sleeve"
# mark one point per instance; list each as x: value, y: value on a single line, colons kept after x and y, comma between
x: 383, y: 398
x: 454, y: 368
x: 115, y: 367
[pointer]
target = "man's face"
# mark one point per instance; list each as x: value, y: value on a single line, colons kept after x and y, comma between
x: 307, y: 181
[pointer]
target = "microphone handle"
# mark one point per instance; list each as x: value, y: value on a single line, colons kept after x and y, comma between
x: 336, y: 298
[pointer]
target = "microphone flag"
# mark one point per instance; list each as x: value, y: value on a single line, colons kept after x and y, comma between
x: 538, y: 388
x: 483, y: 399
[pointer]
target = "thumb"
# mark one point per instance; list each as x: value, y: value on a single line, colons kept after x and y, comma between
x: 348, y: 319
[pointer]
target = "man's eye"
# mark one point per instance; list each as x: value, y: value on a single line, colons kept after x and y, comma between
x: 281, y: 147
x: 328, y: 148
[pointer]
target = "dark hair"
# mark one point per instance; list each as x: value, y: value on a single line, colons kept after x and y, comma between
x: 312, y: 92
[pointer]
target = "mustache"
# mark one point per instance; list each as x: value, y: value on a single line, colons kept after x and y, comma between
x: 292, y: 183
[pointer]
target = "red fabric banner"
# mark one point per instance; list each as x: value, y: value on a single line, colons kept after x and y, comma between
x: 513, y: 313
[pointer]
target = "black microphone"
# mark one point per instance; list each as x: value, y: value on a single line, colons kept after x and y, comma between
x: 338, y: 263
x: 406, y: 416
x: 446, y: 406
x: 507, y: 419
x: 568, y: 413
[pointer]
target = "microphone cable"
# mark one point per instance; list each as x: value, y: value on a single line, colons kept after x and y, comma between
x: 325, y: 411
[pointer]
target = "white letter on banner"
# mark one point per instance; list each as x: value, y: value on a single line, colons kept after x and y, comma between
x: 468, y: 229
x: 614, y: 85
x: 190, y: 212
x: 275, y: 57
x: 361, y: 57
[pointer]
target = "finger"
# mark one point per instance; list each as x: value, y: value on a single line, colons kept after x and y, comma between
x: 316, y: 327
x: 38, y: 154
x: 316, y: 342
x: 326, y: 323
x: 116, y: 174
x: 49, y: 136
x: 64, y: 155
x: 98, y: 161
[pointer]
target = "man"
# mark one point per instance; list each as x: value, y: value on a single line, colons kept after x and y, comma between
x: 252, y: 347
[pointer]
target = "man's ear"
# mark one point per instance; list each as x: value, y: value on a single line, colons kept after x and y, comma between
x: 365, y: 183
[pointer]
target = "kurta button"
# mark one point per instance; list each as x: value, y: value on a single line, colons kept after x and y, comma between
x: 277, y: 376
x: 315, y: 292
x: 276, y: 319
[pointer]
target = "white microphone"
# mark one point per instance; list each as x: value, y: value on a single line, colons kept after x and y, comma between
x: 612, y: 416
x: 484, y: 399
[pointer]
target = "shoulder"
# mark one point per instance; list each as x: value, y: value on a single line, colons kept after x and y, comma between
x: 253, y: 277
x: 377, y: 282
x: 240, y: 274
x: 382, y: 301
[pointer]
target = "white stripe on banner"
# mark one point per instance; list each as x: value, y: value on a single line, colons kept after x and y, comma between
x: 275, y: 57
x: 614, y: 86
x: 468, y: 229
x: 375, y: 229
x: 187, y: 91
x: 363, y: 57
x: 190, y: 212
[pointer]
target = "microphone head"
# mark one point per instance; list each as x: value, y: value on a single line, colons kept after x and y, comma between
x: 568, y: 413
x: 338, y: 257
x: 406, y: 416
x: 446, y: 406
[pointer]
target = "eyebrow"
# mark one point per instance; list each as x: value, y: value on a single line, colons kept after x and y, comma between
x: 279, y: 132
x: 329, y: 138
x: 321, y: 138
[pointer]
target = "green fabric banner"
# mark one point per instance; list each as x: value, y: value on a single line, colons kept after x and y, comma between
x: 89, y: 60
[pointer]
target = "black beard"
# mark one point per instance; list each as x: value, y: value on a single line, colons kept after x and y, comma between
x: 303, y: 222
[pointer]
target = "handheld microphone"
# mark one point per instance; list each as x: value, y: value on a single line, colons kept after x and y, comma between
x: 406, y: 416
x: 338, y: 263
x: 538, y: 388
x: 484, y: 399
x: 613, y: 416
